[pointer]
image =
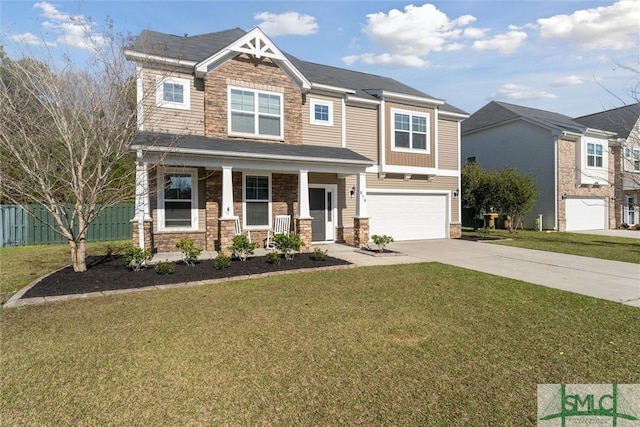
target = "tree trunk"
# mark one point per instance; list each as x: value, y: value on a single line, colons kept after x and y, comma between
x: 78, y: 255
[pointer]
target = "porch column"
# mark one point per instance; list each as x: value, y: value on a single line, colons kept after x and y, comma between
x: 361, y: 219
x: 361, y: 201
x: 227, y: 193
x: 303, y: 221
x: 142, y: 220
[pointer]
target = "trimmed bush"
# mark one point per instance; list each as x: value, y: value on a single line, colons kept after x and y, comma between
x: 190, y: 252
x: 165, y: 267
x: 135, y: 258
x: 221, y: 262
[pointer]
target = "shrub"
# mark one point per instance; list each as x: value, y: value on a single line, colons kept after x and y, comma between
x: 286, y: 244
x: 190, y: 252
x: 242, y: 247
x: 135, y: 258
x: 319, y: 254
x: 381, y: 241
x: 274, y: 258
x: 222, y: 261
x: 165, y: 267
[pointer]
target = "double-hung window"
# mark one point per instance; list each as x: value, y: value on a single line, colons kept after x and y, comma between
x: 594, y: 155
x: 177, y: 199
x: 173, y: 92
x: 257, y: 198
x: 410, y: 131
x: 636, y: 160
x: 256, y: 113
x: 321, y: 112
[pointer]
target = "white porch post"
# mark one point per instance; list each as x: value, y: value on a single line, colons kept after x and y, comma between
x: 227, y: 193
x: 142, y: 198
x: 361, y: 201
x: 303, y: 195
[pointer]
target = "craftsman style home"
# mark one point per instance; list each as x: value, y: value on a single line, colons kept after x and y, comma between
x: 572, y: 162
x: 233, y: 132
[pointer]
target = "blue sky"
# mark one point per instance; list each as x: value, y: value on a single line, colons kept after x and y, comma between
x: 570, y: 57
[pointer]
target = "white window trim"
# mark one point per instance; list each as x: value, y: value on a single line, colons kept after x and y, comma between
x: 244, y: 200
x: 312, y: 112
x: 595, y: 156
x: 411, y: 114
x: 186, y: 84
x: 194, y: 198
x: 256, y: 113
x: 635, y: 157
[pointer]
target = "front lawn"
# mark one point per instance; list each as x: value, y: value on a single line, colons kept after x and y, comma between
x: 589, y: 245
x: 419, y: 344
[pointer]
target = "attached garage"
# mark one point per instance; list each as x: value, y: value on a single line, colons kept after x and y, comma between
x: 408, y: 216
x: 586, y: 214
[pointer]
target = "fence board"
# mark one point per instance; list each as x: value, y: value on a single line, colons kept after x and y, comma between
x: 20, y: 228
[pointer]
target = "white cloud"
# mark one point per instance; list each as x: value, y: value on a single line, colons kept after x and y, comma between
x: 289, y: 23
x: 569, y: 81
x: 389, y: 60
x: 418, y: 30
x: 608, y: 27
x: 72, y: 30
x: 520, y: 92
x: 474, y: 33
x: 30, y: 39
x: 505, y: 43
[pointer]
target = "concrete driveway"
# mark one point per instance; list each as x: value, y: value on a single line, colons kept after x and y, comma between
x: 609, y: 280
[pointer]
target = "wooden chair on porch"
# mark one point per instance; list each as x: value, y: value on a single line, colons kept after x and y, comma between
x: 282, y: 225
x: 238, y: 230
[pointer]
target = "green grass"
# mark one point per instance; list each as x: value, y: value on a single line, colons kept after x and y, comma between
x: 419, y: 344
x: 589, y: 245
x: 21, y: 265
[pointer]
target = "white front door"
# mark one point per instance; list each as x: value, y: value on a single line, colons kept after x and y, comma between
x: 323, y: 209
x: 631, y: 210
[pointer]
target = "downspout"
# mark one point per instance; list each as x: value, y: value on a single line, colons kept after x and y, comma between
x: 382, y: 136
x: 555, y: 183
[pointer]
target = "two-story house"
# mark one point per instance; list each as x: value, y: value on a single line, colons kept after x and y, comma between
x: 625, y: 148
x: 572, y: 163
x: 230, y: 127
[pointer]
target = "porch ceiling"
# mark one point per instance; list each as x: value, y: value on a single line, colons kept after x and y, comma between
x: 213, y: 152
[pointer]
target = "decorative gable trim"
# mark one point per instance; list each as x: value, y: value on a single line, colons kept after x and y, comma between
x: 256, y: 44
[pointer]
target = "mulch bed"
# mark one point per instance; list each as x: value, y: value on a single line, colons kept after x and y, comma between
x: 109, y: 273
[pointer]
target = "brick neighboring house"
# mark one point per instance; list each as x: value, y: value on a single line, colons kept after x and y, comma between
x: 573, y: 164
x: 231, y: 127
x: 625, y: 149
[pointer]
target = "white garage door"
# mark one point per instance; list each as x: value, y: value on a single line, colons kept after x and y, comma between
x: 585, y: 214
x: 408, y: 216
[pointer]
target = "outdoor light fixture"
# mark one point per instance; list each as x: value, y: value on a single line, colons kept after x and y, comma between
x: 352, y: 191
x: 455, y: 193
x: 564, y: 196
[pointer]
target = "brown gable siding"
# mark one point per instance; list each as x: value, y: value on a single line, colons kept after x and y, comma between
x: 362, y: 131
x: 410, y: 159
x: 313, y: 134
x: 448, y: 144
x: 261, y: 75
x: 171, y: 120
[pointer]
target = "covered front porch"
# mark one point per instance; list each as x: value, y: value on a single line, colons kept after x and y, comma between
x: 200, y: 187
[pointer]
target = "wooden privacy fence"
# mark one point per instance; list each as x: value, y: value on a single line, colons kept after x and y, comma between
x: 19, y: 228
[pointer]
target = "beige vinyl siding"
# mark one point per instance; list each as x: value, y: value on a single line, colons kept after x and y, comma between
x: 439, y: 183
x: 171, y: 120
x: 362, y: 131
x: 346, y: 203
x: 313, y: 134
x: 448, y: 144
x: 416, y: 159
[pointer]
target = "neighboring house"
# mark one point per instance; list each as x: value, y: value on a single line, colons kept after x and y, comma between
x: 231, y: 127
x: 571, y: 163
x: 625, y: 148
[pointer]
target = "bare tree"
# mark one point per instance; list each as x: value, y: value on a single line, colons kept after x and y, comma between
x: 64, y: 136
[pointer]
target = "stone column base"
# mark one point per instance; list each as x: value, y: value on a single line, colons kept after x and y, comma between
x: 303, y: 225
x: 148, y: 234
x: 360, y: 232
x: 226, y: 233
x: 455, y: 231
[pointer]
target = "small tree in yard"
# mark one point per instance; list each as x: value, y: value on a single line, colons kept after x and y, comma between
x: 64, y: 136
x: 516, y: 195
x: 478, y: 189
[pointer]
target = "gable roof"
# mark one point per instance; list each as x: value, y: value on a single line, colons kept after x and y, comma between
x: 619, y: 120
x: 497, y: 112
x: 192, y: 50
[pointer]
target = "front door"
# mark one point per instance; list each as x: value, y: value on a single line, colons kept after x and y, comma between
x: 322, y: 200
x: 631, y: 211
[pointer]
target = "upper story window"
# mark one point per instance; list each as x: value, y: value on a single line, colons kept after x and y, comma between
x: 594, y: 155
x: 255, y: 113
x: 177, y: 199
x: 636, y: 160
x: 173, y: 92
x: 321, y: 112
x: 410, y: 131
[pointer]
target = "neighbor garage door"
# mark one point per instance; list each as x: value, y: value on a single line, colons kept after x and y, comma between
x: 410, y: 216
x: 585, y: 214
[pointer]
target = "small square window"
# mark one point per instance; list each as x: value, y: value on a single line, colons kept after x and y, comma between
x: 173, y: 92
x: 321, y: 112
